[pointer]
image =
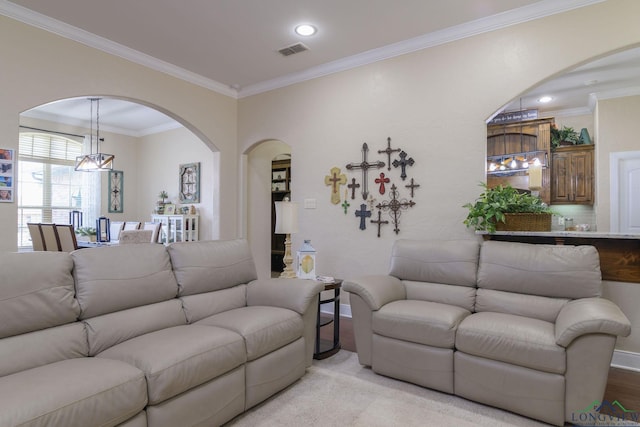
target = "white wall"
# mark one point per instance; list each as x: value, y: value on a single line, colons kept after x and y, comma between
x: 433, y: 104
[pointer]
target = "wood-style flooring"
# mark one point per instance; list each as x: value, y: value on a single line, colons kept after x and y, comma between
x: 623, y: 385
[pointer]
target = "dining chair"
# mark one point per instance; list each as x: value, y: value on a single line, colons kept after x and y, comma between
x: 50, y: 236
x: 66, y: 237
x: 131, y: 225
x: 135, y: 236
x: 155, y: 227
x: 114, y: 230
x: 36, y: 236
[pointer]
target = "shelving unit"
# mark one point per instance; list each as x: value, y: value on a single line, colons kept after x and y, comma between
x: 177, y: 228
x: 280, y: 187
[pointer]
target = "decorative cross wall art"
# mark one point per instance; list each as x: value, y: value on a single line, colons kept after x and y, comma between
x: 116, y: 182
x: 335, y: 179
x: 393, y: 207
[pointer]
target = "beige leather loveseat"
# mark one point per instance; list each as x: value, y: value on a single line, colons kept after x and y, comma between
x: 517, y: 326
x: 147, y: 335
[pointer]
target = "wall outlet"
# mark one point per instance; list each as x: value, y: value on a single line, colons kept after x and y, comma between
x: 560, y: 220
x: 309, y: 203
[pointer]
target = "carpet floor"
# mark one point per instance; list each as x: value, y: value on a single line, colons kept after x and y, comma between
x: 338, y: 391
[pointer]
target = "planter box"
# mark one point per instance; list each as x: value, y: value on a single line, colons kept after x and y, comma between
x: 525, y: 222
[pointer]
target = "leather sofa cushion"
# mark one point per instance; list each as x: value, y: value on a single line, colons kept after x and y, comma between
x: 512, y: 339
x: 264, y: 328
x: 462, y: 296
x: 197, y: 307
x: 119, y: 277
x: 212, y: 265
x: 451, y: 262
x: 543, y: 308
x: 559, y: 271
x: 87, y: 391
x: 421, y: 322
x: 177, y: 359
x: 36, y: 298
x: 39, y: 348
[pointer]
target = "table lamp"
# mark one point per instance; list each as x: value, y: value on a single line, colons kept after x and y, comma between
x: 287, y: 223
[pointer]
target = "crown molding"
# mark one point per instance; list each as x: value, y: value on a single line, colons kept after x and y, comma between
x: 62, y: 29
x: 524, y: 14
x: 458, y: 32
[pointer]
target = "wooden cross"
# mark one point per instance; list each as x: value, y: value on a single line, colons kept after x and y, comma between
x: 353, y: 187
x: 395, y: 206
x: 335, y: 180
x: 363, y: 213
x: 365, y: 166
x: 345, y: 205
x: 388, y: 151
x: 412, y: 186
x: 379, y: 221
x: 403, y: 163
x: 382, y: 180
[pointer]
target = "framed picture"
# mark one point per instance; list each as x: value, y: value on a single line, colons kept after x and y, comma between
x: 189, y: 185
x: 116, y: 181
x: 169, y: 209
x: 6, y: 175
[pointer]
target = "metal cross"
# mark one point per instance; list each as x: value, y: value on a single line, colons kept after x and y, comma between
x: 394, y: 206
x: 388, y: 151
x: 335, y: 180
x: 363, y: 213
x: 403, y: 163
x: 365, y: 166
x: 379, y: 221
x: 382, y: 180
x: 412, y: 186
x: 353, y: 187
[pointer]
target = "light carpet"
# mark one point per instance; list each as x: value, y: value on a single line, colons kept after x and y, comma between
x: 338, y: 391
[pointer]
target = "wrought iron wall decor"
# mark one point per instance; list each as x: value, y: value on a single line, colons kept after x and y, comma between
x: 371, y: 210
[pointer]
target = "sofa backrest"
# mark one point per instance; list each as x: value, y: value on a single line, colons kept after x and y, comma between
x: 438, y: 271
x: 125, y: 291
x: 212, y: 275
x: 535, y: 280
x: 38, y: 311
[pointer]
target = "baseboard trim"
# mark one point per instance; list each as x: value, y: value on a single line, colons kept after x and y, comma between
x: 621, y: 359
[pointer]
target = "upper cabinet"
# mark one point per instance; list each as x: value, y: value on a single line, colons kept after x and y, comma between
x: 572, y: 180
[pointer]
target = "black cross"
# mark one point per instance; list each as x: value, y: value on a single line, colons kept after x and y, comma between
x: 412, y: 186
x: 388, y: 152
x: 365, y: 165
x: 363, y: 213
x: 379, y: 221
x: 403, y: 163
x: 394, y: 206
x: 353, y: 187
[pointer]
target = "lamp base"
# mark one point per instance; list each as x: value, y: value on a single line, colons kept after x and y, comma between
x: 288, y: 272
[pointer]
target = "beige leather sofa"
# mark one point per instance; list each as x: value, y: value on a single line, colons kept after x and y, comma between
x: 147, y: 335
x: 517, y: 326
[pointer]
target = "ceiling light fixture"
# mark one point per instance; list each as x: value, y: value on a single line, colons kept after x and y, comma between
x: 545, y: 99
x: 305, y: 30
x: 95, y: 162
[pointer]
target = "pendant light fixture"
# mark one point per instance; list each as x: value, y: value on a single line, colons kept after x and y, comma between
x: 95, y: 162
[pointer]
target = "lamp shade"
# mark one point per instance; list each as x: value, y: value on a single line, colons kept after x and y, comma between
x: 286, y: 217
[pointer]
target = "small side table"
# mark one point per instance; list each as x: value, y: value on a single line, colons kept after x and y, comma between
x: 326, y: 348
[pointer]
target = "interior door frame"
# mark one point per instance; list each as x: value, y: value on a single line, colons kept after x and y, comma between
x: 615, y: 160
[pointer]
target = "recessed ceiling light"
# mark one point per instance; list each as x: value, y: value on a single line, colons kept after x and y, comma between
x: 545, y: 99
x: 305, y: 30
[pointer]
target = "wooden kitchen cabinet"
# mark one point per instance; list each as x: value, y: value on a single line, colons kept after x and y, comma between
x: 572, y: 180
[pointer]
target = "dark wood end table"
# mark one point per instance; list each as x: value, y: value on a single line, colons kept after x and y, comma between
x: 326, y: 348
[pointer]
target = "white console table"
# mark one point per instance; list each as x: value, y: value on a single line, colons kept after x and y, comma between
x: 177, y: 228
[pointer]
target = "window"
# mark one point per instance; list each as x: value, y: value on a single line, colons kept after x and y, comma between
x: 48, y: 186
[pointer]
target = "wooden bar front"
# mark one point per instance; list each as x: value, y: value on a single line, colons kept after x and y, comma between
x: 619, y: 256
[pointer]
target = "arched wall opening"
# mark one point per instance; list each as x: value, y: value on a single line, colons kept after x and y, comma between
x: 257, y: 205
x: 149, y: 160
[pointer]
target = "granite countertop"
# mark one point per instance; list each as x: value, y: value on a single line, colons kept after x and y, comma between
x: 561, y: 233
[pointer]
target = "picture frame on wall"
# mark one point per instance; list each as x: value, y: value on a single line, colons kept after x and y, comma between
x: 116, y: 193
x: 189, y: 183
x: 7, y: 189
x: 170, y: 209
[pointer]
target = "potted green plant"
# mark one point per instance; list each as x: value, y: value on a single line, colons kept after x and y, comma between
x: 88, y: 233
x: 506, y: 208
x: 564, y: 136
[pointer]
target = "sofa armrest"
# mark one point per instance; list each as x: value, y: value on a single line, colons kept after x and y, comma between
x: 294, y: 294
x: 590, y: 316
x: 376, y: 291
